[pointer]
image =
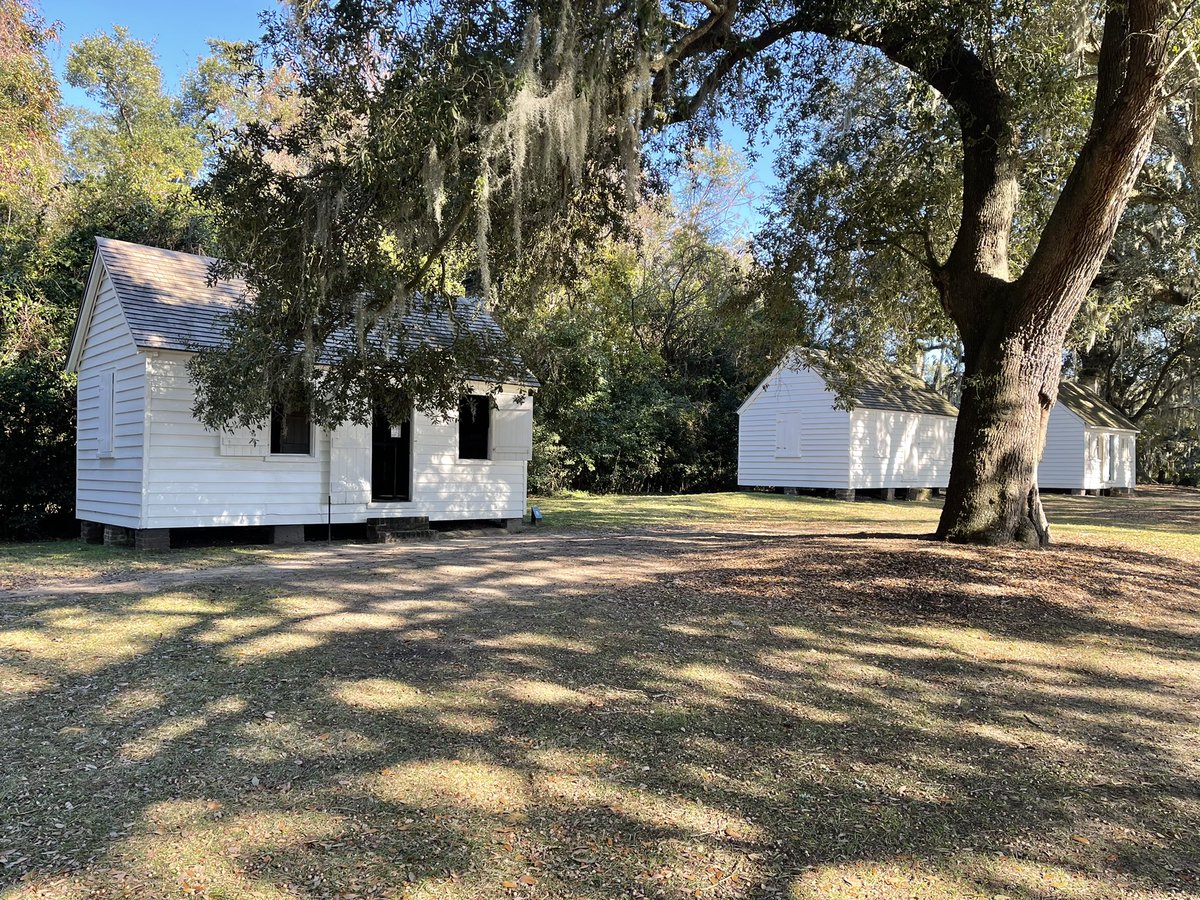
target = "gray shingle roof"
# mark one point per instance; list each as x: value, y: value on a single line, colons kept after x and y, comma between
x: 1091, y: 408
x: 880, y: 386
x: 171, y: 304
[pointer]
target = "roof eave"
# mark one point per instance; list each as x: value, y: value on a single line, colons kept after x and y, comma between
x: 86, y: 307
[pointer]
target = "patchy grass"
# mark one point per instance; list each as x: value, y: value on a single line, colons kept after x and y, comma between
x: 1155, y: 517
x: 747, y: 510
x: 684, y: 712
x: 22, y: 565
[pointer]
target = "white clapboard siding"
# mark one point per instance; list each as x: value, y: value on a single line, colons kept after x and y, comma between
x: 196, y: 477
x: 190, y: 483
x: 144, y: 461
x: 893, y: 449
x: 235, y: 440
x: 109, y: 406
x: 813, y: 448
x: 1077, y: 454
x: 1064, y: 456
x: 790, y: 434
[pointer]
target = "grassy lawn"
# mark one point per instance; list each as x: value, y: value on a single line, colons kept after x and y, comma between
x: 761, y: 696
x: 1156, y: 517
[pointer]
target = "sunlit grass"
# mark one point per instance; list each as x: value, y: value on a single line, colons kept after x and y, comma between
x: 1154, y: 519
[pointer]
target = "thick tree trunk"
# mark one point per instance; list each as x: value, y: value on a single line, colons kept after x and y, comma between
x: 1010, y: 384
x: 1013, y: 331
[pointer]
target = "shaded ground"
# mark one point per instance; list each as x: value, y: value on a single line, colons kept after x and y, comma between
x: 684, y: 711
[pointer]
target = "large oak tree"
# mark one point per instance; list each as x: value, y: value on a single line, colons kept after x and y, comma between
x: 519, y: 128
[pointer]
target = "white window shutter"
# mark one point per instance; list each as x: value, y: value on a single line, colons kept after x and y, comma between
x: 512, y: 428
x: 105, y: 402
x: 787, y: 434
x: 883, y: 436
x: 350, y: 464
x: 245, y: 442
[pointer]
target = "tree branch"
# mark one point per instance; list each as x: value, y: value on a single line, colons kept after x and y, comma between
x: 1079, y: 231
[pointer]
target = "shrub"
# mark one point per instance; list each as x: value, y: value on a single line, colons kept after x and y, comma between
x: 37, y: 450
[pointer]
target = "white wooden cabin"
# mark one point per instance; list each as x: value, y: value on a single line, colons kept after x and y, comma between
x: 899, y: 433
x: 145, y: 464
x: 1090, y: 445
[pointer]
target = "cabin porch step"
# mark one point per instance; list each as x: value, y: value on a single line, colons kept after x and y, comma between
x: 400, y: 528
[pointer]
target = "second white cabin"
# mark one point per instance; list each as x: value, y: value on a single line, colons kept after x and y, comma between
x: 792, y: 434
x: 1090, y: 445
x: 146, y: 466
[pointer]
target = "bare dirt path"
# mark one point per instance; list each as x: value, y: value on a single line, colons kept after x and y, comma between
x: 479, y: 562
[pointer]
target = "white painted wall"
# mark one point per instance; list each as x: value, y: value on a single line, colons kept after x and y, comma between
x: 1062, y: 465
x: 111, y: 398
x: 791, y: 435
x: 196, y: 477
x: 144, y: 461
x: 892, y: 449
x: 192, y: 480
x: 1076, y: 455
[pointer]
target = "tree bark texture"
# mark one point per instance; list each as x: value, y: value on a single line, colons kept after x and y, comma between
x: 1010, y: 384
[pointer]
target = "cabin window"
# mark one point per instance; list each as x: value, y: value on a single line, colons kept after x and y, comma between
x: 104, y: 435
x: 474, y: 426
x: 291, y: 428
x: 1112, y: 457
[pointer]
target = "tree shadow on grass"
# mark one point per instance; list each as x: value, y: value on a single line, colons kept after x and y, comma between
x: 804, y: 715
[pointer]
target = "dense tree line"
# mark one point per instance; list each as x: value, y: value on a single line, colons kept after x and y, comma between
x: 641, y: 358
x: 646, y: 356
x: 535, y: 120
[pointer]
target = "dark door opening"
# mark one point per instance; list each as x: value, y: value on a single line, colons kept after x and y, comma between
x: 391, y: 460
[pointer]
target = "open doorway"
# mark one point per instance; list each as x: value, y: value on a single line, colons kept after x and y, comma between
x: 391, y: 459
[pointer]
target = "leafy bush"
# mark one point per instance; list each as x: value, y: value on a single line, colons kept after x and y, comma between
x: 37, y: 450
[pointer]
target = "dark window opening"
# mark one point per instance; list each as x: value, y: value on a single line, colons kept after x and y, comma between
x: 291, y: 429
x: 391, y: 455
x: 474, y: 423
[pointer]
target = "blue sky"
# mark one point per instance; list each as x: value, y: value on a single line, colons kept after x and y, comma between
x: 178, y: 30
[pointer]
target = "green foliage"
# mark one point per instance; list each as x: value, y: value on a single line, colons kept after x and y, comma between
x: 29, y: 110
x: 139, y: 140
x: 129, y: 176
x: 37, y: 460
x: 645, y: 359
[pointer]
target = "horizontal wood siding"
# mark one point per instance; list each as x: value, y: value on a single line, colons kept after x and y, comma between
x: 892, y: 449
x: 108, y: 487
x: 1062, y: 464
x: 814, y: 452
x: 190, y: 484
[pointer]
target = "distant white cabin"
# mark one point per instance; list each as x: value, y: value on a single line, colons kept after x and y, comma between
x: 145, y: 464
x: 1090, y: 445
x: 899, y: 433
